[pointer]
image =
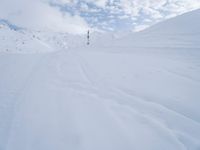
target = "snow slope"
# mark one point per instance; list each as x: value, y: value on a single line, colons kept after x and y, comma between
x: 18, y: 40
x: 140, y: 92
x: 179, y: 32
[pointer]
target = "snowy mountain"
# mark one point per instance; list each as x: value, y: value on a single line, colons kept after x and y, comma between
x: 181, y: 32
x: 139, y: 92
x: 19, y: 40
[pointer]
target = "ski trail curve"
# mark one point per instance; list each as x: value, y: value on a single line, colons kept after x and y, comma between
x: 67, y: 105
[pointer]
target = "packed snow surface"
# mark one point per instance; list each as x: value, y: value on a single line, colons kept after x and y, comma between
x: 139, y: 92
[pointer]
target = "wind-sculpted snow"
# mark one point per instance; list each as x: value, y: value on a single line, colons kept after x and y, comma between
x: 140, y: 92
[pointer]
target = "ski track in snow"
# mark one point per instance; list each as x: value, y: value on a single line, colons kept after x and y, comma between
x: 101, y: 93
x: 69, y: 73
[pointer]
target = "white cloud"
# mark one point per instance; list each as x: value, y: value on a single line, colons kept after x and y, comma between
x: 140, y: 28
x: 133, y: 7
x: 99, y: 3
x: 156, y: 10
x: 41, y: 16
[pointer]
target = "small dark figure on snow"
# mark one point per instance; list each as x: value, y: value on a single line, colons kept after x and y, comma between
x: 88, y: 37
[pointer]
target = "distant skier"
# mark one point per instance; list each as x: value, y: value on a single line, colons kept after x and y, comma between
x: 88, y: 37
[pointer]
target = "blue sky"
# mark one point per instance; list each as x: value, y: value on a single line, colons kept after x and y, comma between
x: 79, y: 15
x: 125, y: 14
x: 95, y: 16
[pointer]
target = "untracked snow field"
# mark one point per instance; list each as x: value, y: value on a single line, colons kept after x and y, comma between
x: 141, y: 92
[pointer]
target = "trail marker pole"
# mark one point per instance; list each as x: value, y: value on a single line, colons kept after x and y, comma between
x: 88, y: 37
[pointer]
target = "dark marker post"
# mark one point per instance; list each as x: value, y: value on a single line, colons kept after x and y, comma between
x: 88, y: 37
